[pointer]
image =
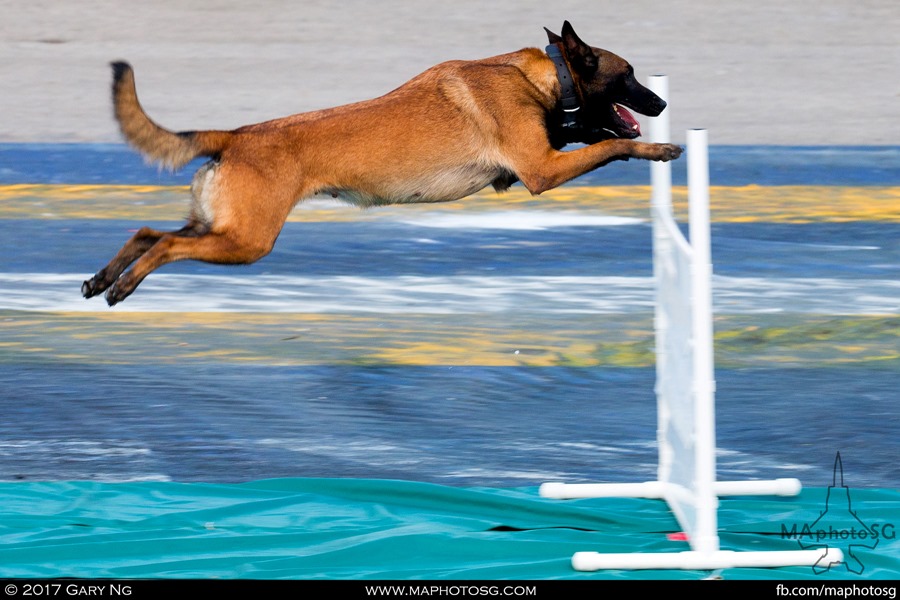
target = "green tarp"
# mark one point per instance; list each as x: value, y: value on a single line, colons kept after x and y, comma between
x: 378, y: 529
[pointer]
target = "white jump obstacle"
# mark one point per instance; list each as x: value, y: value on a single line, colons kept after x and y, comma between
x: 685, y: 389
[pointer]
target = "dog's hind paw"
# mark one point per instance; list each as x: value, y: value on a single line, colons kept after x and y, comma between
x: 121, y: 289
x: 91, y: 287
x: 114, y: 295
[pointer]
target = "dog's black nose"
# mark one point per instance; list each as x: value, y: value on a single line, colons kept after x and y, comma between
x: 657, y: 106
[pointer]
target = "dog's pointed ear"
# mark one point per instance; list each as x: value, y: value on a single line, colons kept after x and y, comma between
x: 552, y: 37
x: 580, y: 54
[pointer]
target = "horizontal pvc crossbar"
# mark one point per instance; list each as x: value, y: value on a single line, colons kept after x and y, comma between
x: 707, y: 561
x: 658, y: 489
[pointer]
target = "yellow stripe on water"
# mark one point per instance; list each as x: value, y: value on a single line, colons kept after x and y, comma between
x: 129, y: 202
x: 752, y: 203
x: 448, y: 340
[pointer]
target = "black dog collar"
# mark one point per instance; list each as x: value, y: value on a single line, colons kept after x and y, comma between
x: 569, y: 98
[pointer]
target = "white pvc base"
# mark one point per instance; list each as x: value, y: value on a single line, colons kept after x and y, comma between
x: 706, y: 561
x: 690, y: 559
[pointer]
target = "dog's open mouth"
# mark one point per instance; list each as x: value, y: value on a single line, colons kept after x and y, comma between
x: 626, y: 126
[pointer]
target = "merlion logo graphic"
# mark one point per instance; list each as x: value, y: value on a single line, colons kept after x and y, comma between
x: 838, y: 526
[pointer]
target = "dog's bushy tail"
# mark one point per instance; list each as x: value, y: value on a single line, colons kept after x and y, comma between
x: 159, y: 145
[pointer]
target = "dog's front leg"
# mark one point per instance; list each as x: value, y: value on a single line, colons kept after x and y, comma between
x: 547, y: 169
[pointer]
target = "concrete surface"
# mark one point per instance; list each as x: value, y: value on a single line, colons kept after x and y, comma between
x: 790, y: 72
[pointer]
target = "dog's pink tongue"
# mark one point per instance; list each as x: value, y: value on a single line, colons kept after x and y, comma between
x: 628, y: 118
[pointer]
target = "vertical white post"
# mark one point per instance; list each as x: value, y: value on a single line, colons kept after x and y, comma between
x: 698, y: 190
x: 701, y: 303
x: 660, y: 172
x: 660, y: 207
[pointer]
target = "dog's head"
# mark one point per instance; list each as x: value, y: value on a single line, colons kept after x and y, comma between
x: 607, y: 85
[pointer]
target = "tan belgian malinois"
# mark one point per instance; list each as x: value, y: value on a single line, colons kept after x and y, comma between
x: 444, y: 135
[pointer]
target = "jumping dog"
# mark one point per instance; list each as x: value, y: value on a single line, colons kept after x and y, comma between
x: 447, y: 133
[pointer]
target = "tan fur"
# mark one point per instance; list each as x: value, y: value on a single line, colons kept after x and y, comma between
x: 445, y: 134
x: 154, y: 142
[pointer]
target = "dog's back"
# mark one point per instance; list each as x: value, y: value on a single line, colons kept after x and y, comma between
x: 369, y: 136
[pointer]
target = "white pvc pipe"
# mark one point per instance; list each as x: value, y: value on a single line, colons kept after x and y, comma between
x: 787, y: 486
x: 704, y: 419
x: 698, y: 192
x: 660, y: 172
x: 661, y: 218
x: 707, y: 561
x: 656, y: 489
x: 572, y: 491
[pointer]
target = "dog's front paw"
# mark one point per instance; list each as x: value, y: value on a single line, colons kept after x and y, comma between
x: 667, y: 152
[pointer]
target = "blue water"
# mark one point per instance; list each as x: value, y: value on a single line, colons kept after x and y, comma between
x: 729, y: 165
x: 500, y: 426
x: 862, y: 249
x: 823, y: 268
x: 492, y: 426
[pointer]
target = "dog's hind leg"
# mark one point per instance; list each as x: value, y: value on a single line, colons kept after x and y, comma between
x: 133, y: 249
x: 221, y: 247
x: 236, y: 215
